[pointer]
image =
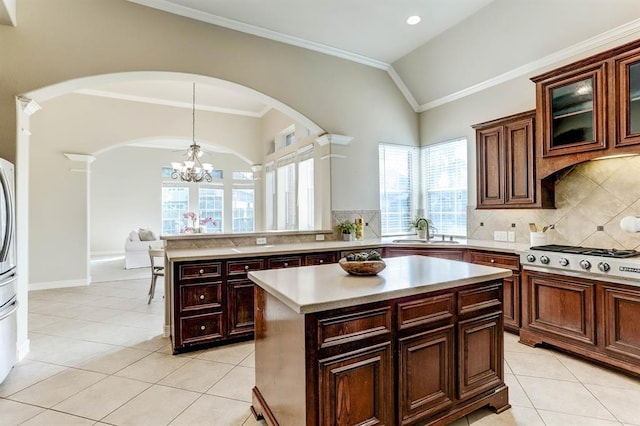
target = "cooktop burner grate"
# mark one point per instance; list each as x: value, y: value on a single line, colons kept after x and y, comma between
x: 587, y: 251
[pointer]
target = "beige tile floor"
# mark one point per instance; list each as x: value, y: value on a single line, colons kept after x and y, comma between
x: 98, y: 357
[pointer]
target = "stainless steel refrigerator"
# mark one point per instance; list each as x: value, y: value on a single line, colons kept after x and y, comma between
x: 8, y: 281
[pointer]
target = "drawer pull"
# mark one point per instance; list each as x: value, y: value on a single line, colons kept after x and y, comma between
x: 286, y: 264
x: 321, y: 260
x: 493, y: 261
x: 201, y: 271
x: 246, y: 267
x: 202, y: 297
x: 202, y: 327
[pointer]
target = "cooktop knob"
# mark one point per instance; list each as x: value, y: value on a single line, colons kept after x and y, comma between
x: 585, y: 264
x: 531, y: 258
x: 563, y: 261
x: 544, y: 259
x: 604, y: 267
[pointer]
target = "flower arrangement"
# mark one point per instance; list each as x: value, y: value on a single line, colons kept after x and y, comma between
x: 195, y: 225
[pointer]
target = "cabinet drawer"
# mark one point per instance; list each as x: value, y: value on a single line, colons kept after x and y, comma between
x: 241, y: 267
x: 189, y: 271
x: 481, y: 298
x: 320, y: 259
x: 425, y: 311
x: 200, y: 296
x: 337, y: 330
x: 285, y: 262
x: 201, y: 328
x: 494, y: 259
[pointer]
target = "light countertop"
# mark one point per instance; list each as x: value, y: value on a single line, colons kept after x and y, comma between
x: 323, y: 287
x: 190, y: 254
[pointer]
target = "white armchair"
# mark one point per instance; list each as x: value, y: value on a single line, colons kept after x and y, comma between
x: 136, y: 248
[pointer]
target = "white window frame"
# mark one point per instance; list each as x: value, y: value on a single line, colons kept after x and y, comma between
x: 393, y: 168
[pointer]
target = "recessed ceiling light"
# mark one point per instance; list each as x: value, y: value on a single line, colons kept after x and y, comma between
x: 413, y: 20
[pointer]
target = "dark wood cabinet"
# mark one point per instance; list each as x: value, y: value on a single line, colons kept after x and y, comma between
x: 596, y: 320
x: 511, y: 288
x: 423, y: 359
x: 213, y: 301
x: 354, y: 387
x: 505, y: 164
x: 572, y: 110
x: 588, y: 109
x: 627, y: 86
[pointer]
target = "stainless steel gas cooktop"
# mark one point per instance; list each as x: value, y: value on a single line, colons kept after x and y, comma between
x: 588, y: 262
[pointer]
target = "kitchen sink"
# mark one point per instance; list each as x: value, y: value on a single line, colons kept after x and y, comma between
x: 421, y: 241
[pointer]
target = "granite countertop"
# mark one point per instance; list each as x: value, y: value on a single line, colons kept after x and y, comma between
x: 318, y: 288
x: 188, y: 254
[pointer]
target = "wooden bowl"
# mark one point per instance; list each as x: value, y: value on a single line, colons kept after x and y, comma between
x: 362, y: 267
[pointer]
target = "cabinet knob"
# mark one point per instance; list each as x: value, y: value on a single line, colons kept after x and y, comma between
x: 202, y: 297
x: 246, y: 267
x: 201, y: 271
x: 286, y: 264
x: 321, y: 261
x: 202, y: 327
x: 493, y: 261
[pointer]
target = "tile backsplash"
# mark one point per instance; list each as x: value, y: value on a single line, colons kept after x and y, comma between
x: 591, y: 195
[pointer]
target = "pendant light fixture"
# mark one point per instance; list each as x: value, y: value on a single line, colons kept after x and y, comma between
x: 192, y: 170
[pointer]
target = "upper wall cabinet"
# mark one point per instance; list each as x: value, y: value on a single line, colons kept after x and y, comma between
x: 588, y: 109
x: 627, y: 86
x: 572, y: 109
x: 506, y: 164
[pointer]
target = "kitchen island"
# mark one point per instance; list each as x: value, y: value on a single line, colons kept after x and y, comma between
x: 419, y: 343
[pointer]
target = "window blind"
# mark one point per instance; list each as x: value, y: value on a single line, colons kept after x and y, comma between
x: 444, y: 171
x: 398, y: 187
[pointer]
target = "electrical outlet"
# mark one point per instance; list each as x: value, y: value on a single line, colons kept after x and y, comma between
x: 511, y: 236
x: 500, y: 235
x: 261, y: 240
x: 319, y: 237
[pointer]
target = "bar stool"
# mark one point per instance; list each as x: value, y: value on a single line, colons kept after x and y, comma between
x: 156, y: 270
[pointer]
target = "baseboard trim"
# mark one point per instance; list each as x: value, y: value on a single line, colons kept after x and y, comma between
x: 58, y: 284
x: 167, y: 331
x: 107, y: 253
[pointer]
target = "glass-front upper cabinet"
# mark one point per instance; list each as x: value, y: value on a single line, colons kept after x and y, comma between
x: 572, y: 107
x: 628, y: 87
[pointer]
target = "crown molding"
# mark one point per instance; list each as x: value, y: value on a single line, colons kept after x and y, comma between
x: 609, y: 36
x: 82, y: 158
x: 403, y: 88
x: 329, y: 139
x: 260, y: 32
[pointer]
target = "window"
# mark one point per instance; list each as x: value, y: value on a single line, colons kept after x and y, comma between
x: 398, y: 191
x: 175, y: 201
x: 305, y: 190
x: 270, y: 197
x: 243, y: 208
x: 286, y: 193
x: 211, y: 204
x: 444, y: 168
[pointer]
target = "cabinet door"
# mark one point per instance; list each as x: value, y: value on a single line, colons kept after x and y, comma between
x: 511, y: 302
x: 490, y: 163
x: 354, y: 387
x: 519, y: 154
x: 422, y: 395
x: 622, y: 322
x: 573, y: 109
x: 240, y: 314
x: 628, y: 95
x: 562, y: 306
x: 480, y: 345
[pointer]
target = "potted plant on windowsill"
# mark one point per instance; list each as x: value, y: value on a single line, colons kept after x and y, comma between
x: 423, y: 227
x: 347, y: 229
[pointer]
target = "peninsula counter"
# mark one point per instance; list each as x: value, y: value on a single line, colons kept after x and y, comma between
x: 419, y: 343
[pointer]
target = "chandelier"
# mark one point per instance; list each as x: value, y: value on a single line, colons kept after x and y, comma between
x: 192, y: 170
